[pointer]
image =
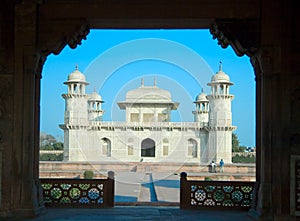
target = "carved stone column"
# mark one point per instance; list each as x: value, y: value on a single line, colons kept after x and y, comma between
x: 267, y: 83
x: 26, y: 197
x: 9, y: 168
x: 22, y: 55
x: 266, y: 61
x: 243, y: 37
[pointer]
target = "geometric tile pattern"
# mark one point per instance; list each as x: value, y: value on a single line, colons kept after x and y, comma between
x: 219, y: 194
x: 75, y: 192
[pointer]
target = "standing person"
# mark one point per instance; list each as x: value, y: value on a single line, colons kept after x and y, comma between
x: 213, y: 166
x: 221, y: 166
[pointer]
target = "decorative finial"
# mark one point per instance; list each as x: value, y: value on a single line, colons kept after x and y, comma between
x: 202, y: 91
x: 76, y: 68
x: 94, y: 89
x: 220, y: 66
x: 154, y: 83
x: 142, y: 82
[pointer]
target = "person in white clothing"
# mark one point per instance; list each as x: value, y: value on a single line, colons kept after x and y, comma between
x: 213, y: 166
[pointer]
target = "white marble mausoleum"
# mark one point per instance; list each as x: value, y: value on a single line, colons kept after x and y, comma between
x: 148, y: 134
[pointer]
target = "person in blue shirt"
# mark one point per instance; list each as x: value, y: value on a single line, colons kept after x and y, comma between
x: 221, y: 166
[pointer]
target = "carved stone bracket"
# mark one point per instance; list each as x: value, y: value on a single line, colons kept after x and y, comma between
x: 241, y: 35
x: 70, y: 32
x: 75, y: 39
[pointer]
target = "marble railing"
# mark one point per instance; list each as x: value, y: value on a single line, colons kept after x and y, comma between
x: 215, y: 194
x: 245, y: 154
x: 148, y: 124
x: 51, y: 151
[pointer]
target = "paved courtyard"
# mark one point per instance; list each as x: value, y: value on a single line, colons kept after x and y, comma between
x: 154, y: 187
x: 146, y: 187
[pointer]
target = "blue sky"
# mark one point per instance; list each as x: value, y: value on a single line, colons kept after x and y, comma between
x: 181, y: 61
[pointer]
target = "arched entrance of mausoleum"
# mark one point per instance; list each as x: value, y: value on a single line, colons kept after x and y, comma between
x: 148, y: 148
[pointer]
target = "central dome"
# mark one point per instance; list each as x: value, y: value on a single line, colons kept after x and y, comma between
x: 148, y: 93
x: 148, y: 96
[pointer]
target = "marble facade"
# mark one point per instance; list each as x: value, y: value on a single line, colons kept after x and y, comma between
x: 148, y: 134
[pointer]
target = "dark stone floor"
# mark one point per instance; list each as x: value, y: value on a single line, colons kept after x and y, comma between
x: 129, y: 213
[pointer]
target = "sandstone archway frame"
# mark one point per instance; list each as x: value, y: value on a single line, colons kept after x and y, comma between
x: 36, y: 31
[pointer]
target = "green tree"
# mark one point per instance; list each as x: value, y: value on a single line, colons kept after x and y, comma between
x: 51, y: 157
x: 243, y: 159
x: 58, y: 146
x: 235, y: 143
x: 46, y: 139
x: 242, y: 148
x: 49, y: 142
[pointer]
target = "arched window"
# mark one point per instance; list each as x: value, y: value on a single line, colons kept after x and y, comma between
x: 202, y: 107
x: 80, y: 89
x: 148, y: 148
x: 221, y: 89
x: 192, y: 148
x: 130, y: 146
x: 106, y: 147
x: 75, y: 89
x: 165, y: 147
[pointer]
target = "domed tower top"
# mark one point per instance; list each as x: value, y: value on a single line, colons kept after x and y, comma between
x: 201, y: 98
x: 202, y: 108
x: 76, y: 82
x: 220, y: 83
x: 220, y: 77
x: 95, y: 106
x: 95, y: 97
x: 76, y: 77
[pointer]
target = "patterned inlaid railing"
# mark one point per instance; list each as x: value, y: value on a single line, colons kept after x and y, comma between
x: 117, y: 124
x: 215, y: 194
x: 85, y: 193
